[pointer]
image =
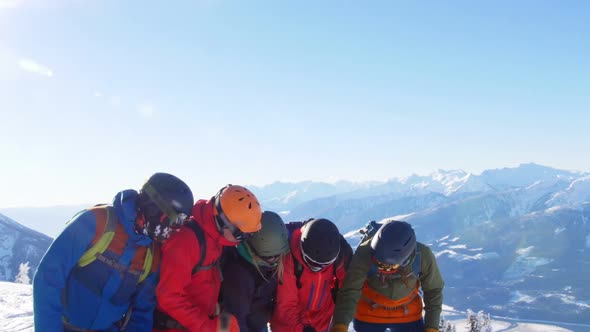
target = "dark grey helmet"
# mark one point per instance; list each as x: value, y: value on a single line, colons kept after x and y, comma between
x: 320, y: 240
x: 394, y: 243
x: 273, y: 237
x: 164, y: 194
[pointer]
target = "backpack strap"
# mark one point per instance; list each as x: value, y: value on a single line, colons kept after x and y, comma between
x: 101, y: 245
x: 417, y: 264
x: 298, y: 268
x: 200, y: 234
x: 147, y: 262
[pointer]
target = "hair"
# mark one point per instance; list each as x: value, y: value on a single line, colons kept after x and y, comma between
x: 280, y: 269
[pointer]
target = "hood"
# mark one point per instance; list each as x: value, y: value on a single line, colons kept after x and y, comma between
x: 203, y: 215
x: 125, y: 205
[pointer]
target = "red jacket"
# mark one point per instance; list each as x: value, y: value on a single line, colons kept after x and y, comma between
x: 312, y: 304
x: 191, y: 299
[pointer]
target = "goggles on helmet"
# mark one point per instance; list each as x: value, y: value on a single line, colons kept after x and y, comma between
x: 224, y: 222
x: 175, y: 220
x: 269, y: 259
x: 314, y: 265
x: 390, y: 268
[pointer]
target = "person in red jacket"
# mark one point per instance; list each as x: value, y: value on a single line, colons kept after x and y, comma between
x: 313, y: 274
x: 190, y: 277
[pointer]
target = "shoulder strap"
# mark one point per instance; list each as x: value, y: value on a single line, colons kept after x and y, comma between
x: 298, y: 268
x: 103, y: 242
x: 147, y: 262
x: 200, y: 234
x: 292, y: 226
x: 417, y: 264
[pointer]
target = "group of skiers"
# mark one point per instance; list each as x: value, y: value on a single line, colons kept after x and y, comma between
x: 154, y: 260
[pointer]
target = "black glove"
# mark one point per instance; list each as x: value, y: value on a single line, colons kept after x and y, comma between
x: 308, y: 328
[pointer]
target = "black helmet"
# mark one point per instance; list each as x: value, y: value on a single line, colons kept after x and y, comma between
x: 273, y: 237
x: 394, y: 243
x: 320, y: 243
x: 164, y: 194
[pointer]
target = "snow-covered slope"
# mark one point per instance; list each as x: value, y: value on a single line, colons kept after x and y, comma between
x: 16, y: 314
x: 577, y: 193
x: 16, y: 307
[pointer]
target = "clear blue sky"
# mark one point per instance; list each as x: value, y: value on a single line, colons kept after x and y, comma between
x: 96, y: 95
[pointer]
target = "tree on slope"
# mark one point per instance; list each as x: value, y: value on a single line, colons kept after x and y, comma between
x: 23, y: 274
x: 472, y: 322
x: 485, y: 322
x: 479, y: 322
x: 446, y: 326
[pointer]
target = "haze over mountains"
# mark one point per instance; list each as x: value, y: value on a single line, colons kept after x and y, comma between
x: 513, y: 241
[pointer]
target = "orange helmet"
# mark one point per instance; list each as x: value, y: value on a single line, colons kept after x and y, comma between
x: 240, y: 207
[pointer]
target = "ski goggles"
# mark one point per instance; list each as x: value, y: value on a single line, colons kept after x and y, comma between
x: 175, y: 219
x: 384, y: 267
x: 268, y: 259
x: 224, y: 222
x: 313, y: 264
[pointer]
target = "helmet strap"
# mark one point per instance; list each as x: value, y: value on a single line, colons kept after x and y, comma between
x: 218, y: 210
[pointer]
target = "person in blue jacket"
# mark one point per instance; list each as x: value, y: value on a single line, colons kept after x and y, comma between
x: 100, y: 273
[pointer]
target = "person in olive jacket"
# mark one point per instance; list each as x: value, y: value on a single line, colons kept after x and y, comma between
x: 381, y: 288
x: 251, y: 273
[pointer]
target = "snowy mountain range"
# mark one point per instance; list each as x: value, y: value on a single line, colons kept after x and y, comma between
x: 513, y: 241
x: 282, y: 196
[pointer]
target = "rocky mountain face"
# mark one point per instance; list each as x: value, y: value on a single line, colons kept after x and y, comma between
x: 19, y: 244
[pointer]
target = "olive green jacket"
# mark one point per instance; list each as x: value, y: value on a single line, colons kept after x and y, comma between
x: 431, y: 282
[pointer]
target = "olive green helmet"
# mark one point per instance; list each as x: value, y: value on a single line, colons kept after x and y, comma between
x: 273, y: 237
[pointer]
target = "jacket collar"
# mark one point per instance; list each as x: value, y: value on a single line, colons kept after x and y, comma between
x: 125, y: 204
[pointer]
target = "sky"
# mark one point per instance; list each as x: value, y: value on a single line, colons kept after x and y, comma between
x: 97, y: 95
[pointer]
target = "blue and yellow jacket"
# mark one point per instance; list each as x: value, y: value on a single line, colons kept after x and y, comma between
x: 96, y: 296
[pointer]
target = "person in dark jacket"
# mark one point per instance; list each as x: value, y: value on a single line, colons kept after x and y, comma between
x: 382, y: 285
x: 101, y: 271
x: 251, y: 273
